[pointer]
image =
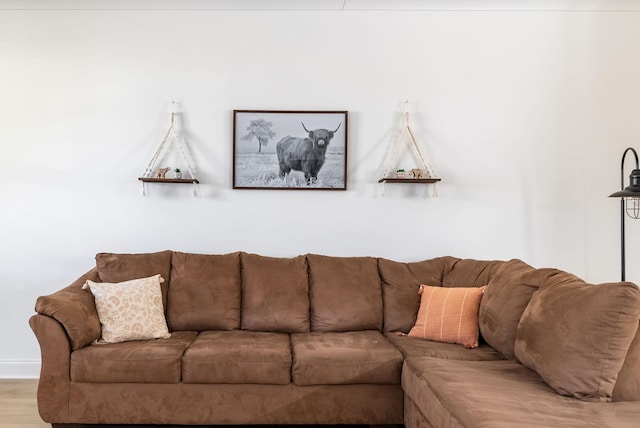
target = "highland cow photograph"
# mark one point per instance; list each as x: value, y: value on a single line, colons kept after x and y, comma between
x: 295, y: 150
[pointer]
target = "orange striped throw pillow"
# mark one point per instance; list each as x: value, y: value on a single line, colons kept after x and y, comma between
x: 449, y: 314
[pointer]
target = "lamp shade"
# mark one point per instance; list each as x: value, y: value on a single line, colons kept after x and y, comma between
x: 633, y: 190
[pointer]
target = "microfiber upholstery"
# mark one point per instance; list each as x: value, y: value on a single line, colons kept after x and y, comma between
x: 141, y: 361
x: 204, y: 292
x: 75, y: 309
x: 344, y: 358
x: 469, y: 272
x: 114, y: 267
x: 500, y: 394
x: 505, y: 298
x: 271, y: 299
x: 345, y: 293
x: 216, y: 405
x: 400, y: 283
x: 417, y: 347
x: 238, y: 357
x: 576, y: 335
x: 628, y: 384
x: 321, y: 340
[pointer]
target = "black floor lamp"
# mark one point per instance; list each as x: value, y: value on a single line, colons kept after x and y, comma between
x: 629, y: 199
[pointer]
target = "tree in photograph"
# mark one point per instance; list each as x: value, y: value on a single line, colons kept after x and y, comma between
x: 259, y: 129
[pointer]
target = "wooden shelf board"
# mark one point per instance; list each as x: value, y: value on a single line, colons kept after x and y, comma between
x: 409, y: 180
x: 168, y: 180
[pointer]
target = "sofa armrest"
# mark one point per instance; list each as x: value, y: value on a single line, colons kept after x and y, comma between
x: 54, y: 382
x: 75, y: 309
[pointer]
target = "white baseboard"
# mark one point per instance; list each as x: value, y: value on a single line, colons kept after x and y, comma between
x: 23, y: 369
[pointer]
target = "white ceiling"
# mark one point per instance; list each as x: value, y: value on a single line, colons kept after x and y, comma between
x: 320, y: 5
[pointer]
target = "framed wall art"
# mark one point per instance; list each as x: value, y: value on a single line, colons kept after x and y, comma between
x: 293, y: 150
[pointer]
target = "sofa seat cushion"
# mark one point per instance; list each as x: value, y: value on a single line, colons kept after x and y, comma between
x: 238, y: 356
x: 501, y: 394
x: 144, y: 361
x: 341, y: 358
x: 416, y: 347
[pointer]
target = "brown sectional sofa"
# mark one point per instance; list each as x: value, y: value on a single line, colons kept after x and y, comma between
x: 314, y: 340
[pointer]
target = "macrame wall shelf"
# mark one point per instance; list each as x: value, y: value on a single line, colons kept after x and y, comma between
x: 154, y: 175
x: 168, y: 180
x: 425, y: 175
x: 409, y: 180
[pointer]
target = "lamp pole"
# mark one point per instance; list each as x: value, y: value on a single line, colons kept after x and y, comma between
x: 632, y: 191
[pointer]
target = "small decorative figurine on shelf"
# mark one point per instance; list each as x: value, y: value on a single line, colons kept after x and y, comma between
x: 178, y: 173
x: 400, y: 173
x: 416, y: 173
x: 162, y: 172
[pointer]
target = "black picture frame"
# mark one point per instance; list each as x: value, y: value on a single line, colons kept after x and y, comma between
x: 290, y: 150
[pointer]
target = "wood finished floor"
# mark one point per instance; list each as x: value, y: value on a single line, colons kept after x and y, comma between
x: 18, y: 408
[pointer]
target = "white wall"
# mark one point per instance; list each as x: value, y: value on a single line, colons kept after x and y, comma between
x: 524, y: 114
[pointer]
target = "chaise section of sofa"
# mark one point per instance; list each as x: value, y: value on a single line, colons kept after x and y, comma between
x: 498, y: 394
x: 568, y: 354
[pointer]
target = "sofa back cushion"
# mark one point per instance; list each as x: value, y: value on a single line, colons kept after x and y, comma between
x: 204, y: 292
x: 400, y: 284
x: 505, y: 299
x: 469, y: 272
x: 124, y: 267
x: 576, y: 335
x: 345, y: 293
x: 628, y: 385
x: 275, y: 294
